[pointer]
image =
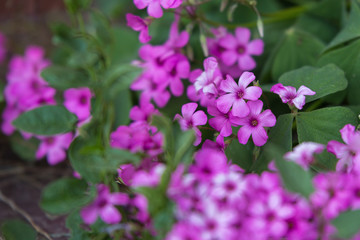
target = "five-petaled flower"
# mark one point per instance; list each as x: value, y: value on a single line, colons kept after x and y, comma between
x: 288, y: 94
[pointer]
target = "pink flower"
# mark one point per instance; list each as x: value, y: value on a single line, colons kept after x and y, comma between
x: 222, y: 122
x: 254, y: 124
x: 143, y: 112
x: 140, y: 25
x: 288, y: 94
x: 349, y: 153
x: 237, y: 93
x: 190, y: 119
x: 238, y: 49
x: 104, y: 206
x: 154, y: 6
x: 54, y: 147
x: 78, y: 102
x: 208, y: 79
x: 303, y: 153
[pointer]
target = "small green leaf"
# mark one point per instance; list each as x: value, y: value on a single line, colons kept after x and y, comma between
x: 293, y: 176
x: 165, y: 126
x: 298, y: 49
x: 61, y: 77
x: 17, y: 230
x: 240, y: 154
x: 323, y: 125
x: 26, y: 149
x: 65, y: 195
x: 281, y: 137
x: 46, y: 120
x: 347, y: 224
x: 348, y: 59
x: 120, y: 156
x: 351, y: 30
x: 323, y: 81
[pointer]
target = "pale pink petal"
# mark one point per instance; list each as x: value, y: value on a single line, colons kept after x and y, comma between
x: 110, y: 215
x: 336, y: 148
x: 176, y: 87
x: 118, y: 198
x: 229, y: 57
x: 197, y: 136
x: 141, y: 4
x: 242, y: 35
x: 305, y: 91
x: 154, y: 9
x: 210, y: 63
x: 259, y: 136
x: 299, y: 101
x: 199, y: 118
x: 183, y: 69
x: 144, y: 36
x: 55, y: 156
x: 226, y: 130
x: 229, y: 85
x: 245, y: 79
x: 170, y: 3
x: 135, y: 22
x: 161, y: 99
x: 244, y: 134
x: 252, y: 93
x: 255, y: 47
x: 267, y: 118
x: 89, y: 214
x: 255, y: 106
x: 278, y: 89
x: 225, y: 102
x: 246, y: 63
x: 42, y: 150
x: 187, y: 110
x: 217, y: 123
x: 240, y: 108
x: 192, y: 93
x: 347, y: 133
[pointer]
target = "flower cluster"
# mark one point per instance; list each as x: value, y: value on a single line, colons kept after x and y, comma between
x: 164, y: 66
x: 235, y: 52
x: 26, y: 90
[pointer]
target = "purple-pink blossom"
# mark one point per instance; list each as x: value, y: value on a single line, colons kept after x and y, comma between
x: 140, y: 25
x: 77, y: 101
x: 236, y: 94
x: 348, y: 153
x: 191, y: 119
x: 253, y: 125
x: 54, y: 147
x: 303, y: 154
x: 103, y: 206
x: 289, y: 95
x: 154, y: 6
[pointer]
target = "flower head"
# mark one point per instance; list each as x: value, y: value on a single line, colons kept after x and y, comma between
x: 140, y: 25
x: 254, y: 123
x: 78, y: 102
x: 303, y: 153
x: 288, y: 94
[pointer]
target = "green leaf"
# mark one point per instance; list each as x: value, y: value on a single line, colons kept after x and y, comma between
x: 298, y: 48
x: 165, y: 126
x: 120, y: 156
x: 62, y: 78
x: 26, y: 149
x: 73, y: 222
x: 46, y: 120
x: 74, y: 6
x: 122, y: 106
x: 281, y: 137
x: 184, y: 148
x: 17, y: 230
x: 293, y: 176
x: 240, y: 154
x: 324, y: 125
x: 347, y: 224
x: 323, y: 81
x: 350, y: 31
x: 65, y: 195
x: 348, y: 59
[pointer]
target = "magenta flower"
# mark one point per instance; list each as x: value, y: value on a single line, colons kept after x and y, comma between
x: 104, y: 206
x: 288, y: 94
x: 254, y: 123
x: 54, y: 147
x: 143, y: 112
x: 237, y: 93
x: 78, y: 102
x: 178, y: 67
x: 303, y: 153
x: 222, y: 122
x: 140, y: 25
x: 238, y: 49
x: 154, y: 6
x: 190, y: 119
x: 208, y: 79
x: 349, y: 153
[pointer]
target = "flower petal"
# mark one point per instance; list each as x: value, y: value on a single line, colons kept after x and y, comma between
x: 246, y: 63
x: 154, y: 9
x: 225, y: 102
x: 255, y: 47
x: 228, y: 42
x: 244, y: 134
x: 199, y: 118
x: 305, y: 91
x: 259, y: 136
x: 255, y: 106
x: 188, y: 110
x: 229, y: 57
x: 89, y: 214
x: 347, y: 133
x: 242, y: 35
x: 240, y: 108
x: 245, y: 79
x: 110, y: 215
x: 267, y: 118
x: 229, y: 85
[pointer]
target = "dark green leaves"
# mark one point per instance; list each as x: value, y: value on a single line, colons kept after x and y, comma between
x: 64, y: 195
x: 61, y: 77
x: 323, y: 81
x: 323, y: 125
x: 17, y: 230
x: 297, y: 49
x: 347, y: 224
x: 46, y: 120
